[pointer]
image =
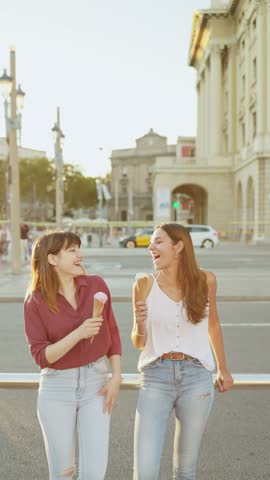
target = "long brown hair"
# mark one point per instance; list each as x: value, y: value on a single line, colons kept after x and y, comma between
x: 192, y: 280
x: 43, y: 275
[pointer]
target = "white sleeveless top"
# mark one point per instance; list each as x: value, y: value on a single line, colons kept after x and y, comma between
x: 168, y: 330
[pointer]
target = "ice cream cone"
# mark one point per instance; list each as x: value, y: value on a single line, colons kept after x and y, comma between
x: 100, y: 298
x: 97, y: 308
x: 140, y: 289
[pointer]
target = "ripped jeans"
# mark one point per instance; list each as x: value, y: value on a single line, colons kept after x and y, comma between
x: 69, y: 407
x: 186, y: 387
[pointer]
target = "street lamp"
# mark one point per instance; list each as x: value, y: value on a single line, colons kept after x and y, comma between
x: 58, y: 157
x: 13, y: 102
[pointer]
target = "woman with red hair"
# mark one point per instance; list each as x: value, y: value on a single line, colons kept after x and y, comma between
x: 175, y: 322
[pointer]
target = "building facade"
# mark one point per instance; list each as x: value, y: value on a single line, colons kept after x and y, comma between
x: 23, y: 152
x: 230, y: 49
x: 132, y: 177
x: 222, y: 179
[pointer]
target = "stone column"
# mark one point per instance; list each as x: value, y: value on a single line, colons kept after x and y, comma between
x: 232, y: 88
x: 202, y: 133
x: 216, y: 100
x: 247, y: 86
x: 116, y: 198
x: 261, y: 77
x: 199, y: 122
x: 206, y: 117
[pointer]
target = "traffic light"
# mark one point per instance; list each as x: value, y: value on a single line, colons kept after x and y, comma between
x: 176, y: 204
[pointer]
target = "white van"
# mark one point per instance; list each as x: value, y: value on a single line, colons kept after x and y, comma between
x: 203, y: 236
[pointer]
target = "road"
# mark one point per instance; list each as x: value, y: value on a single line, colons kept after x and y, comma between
x: 237, y: 441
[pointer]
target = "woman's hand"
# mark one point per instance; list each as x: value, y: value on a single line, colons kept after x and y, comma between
x: 140, y: 315
x: 224, y: 380
x: 111, y: 391
x: 89, y: 328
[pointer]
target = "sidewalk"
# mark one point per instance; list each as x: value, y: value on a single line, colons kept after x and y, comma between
x: 232, y: 285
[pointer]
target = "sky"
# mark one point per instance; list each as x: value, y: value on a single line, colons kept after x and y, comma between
x: 116, y: 68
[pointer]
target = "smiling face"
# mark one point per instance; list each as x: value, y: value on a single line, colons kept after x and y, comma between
x: 68, y: 261
x: 165, y: 253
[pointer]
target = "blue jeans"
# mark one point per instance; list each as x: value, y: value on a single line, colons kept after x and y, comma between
x: 68, y: 406
x: 186, y: 387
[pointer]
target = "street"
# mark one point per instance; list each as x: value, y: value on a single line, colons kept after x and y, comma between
x: 237, y: 441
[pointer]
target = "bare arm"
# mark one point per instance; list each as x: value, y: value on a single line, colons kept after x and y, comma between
x: 224, y: 378
x: 57, y: 350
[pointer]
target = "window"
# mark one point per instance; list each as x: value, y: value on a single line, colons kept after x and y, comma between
x: 243, y: 129
x: 198, y: 229
x: 254, y: 124
x: 243, y: 85
x: 255, y: 68
x: 123, y: 215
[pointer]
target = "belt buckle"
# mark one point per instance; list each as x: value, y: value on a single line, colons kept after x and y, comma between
x: 172, y: 356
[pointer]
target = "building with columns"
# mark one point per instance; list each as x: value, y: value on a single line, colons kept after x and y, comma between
x: 222, y: 179
x: 230, y: 49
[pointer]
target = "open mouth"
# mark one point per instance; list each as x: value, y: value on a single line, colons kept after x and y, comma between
x: 155, y: 257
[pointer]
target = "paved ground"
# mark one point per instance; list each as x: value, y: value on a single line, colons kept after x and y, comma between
x: 241, y: 271
x: 237, y: 441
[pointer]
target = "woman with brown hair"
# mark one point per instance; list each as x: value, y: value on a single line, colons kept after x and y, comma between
x: 174, y: 319
x: 70, y: 344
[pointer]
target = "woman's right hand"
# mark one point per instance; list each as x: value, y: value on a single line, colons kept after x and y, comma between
x: 140, y: 314
x: 90, y: 327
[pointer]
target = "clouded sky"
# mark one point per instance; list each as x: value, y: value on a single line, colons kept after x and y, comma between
x: 116, y: 68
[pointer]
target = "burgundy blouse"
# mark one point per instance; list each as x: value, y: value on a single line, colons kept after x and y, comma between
x: 44, y: 327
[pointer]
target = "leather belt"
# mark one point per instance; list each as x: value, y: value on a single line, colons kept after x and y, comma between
x: 176, y: 356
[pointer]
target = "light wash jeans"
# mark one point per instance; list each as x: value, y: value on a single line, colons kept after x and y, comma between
x: 186, y: 387
x: 69, y: 407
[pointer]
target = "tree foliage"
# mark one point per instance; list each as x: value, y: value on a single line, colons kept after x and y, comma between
x: 79, y: 191
x: 37, y: 184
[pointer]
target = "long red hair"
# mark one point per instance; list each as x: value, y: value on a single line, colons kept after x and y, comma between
x: 192, y: 280
x: 43, y: 275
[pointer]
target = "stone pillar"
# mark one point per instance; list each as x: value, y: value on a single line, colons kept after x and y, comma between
x: 116, y: 199
x: 247, y: 86
x: 244, y: 212
x: 208, y: 117
x: 216, y: 100
x: 203, y: 116
x: 261, y: 77
x: 232, y: 88
x: 199, y: 120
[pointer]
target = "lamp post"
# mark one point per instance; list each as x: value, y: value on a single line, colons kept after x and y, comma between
x: 13, y: 101
x: 58, y: 156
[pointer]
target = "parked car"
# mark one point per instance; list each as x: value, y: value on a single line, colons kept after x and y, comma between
x: 203, y: 236
x: 140, y: 239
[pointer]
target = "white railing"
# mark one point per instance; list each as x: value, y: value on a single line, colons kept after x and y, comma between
x: 130, y: 381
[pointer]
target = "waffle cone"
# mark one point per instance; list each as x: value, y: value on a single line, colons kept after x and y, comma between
x: 98, y: 307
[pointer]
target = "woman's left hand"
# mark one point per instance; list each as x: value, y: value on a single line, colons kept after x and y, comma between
x: 224, y: 380
x: 111, y: 391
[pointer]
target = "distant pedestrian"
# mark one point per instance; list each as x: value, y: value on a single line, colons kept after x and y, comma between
x: 70, y: 345
x: 4, y: 242
x: 24, y: 232
x: 175, y: 315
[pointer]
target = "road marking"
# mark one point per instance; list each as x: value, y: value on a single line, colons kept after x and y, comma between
x: 245, y: 324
